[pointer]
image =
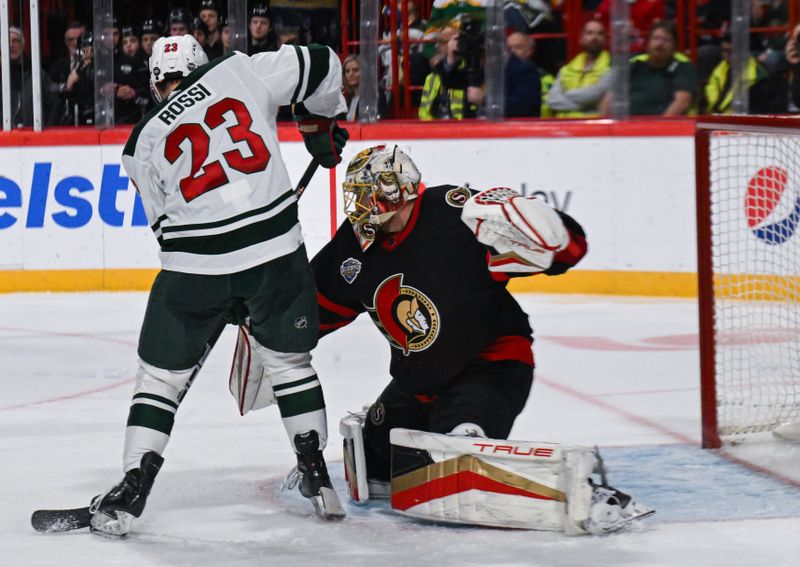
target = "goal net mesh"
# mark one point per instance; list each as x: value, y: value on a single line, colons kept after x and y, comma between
x: 755, y: 210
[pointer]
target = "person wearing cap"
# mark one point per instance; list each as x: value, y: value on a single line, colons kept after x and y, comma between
x: 151, y: 31
x: 209, y: 13
x: 225, y: 35
x: 133, y: 68
x: 21, y: 84
x: 63, y: 73
x: 200, y: 31
x: 82, y: 90
x: 262, y: 36
x: 179, y: 22
x: 130, y: 41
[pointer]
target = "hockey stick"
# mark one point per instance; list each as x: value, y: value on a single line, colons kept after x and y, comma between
x: 306, y: 179
x: 64, y: 520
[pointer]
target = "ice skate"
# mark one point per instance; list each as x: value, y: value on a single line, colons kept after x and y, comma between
x: 311, y: 477
x: 613, y: 510
x: 114, y: 512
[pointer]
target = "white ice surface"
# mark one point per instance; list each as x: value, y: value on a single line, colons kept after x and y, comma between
x: 617, y: 372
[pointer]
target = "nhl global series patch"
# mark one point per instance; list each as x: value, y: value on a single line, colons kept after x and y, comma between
x: 350, y: 269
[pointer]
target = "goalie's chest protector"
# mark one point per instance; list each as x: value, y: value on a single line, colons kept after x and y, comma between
x: 427, y: 289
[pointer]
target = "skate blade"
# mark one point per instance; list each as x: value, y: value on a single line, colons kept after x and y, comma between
x: 327, y: 505
x: 112, y: 528
x: 640, y: 514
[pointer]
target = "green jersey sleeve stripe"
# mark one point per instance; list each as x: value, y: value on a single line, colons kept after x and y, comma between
x: 230, y: 220
x: 318, y: 69
x: 237, y: 239
x: 301, y: 72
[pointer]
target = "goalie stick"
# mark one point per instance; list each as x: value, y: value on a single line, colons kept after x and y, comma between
x: 65, y: 520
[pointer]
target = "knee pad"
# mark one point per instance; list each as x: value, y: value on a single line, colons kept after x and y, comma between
x: 168, y: 383
x: 284, y: 367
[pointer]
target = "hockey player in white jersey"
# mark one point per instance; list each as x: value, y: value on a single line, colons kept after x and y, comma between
x: 207, y: 165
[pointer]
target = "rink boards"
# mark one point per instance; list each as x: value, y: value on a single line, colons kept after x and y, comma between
x: 71, y: 220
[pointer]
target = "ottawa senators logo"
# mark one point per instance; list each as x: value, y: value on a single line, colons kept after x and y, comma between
x: 457, y: 197
x: 405, y: 315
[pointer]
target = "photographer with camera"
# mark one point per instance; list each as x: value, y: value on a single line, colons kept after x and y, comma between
x: 453, y: 89
x: 456, y: 87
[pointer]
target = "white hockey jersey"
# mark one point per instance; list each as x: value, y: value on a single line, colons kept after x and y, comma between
x: 207, y: 165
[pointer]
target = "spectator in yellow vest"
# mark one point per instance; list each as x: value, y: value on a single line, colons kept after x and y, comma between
x: 719, y: 89
x: 578, y: 89
x: 442, y: 100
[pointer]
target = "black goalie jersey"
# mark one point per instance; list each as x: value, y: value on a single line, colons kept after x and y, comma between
x: 428, y: 290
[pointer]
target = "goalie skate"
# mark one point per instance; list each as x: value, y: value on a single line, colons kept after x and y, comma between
x: 613, y: 510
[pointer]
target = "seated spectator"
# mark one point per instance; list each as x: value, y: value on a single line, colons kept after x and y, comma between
x: 63, y: 73
x: 577, y: 90
x: 180, y: 21
x: 262, y: 36
x: 351, y: 81
x: 151, y: 31
x: 523, y: 83
x: 418, y: 58
x: 643, y: 15
x: 200, y: 32
x: 768, y: 48
x: 792, y: 51
x: 662, y: 81
x: 719, y: 89
x: 83, y: 89
x: 209, y: 13
x: 131, y: 45
x: 22, y: 85
x: 225, y: 35
x: 289, y: 35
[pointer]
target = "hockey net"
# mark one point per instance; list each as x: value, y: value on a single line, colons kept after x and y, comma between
x: 748, y: 211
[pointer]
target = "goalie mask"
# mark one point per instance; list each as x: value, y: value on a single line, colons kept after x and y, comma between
x: 379, y: 181
x: 174, y: 57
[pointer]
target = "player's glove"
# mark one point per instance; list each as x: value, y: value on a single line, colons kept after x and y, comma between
x: 324, y: 139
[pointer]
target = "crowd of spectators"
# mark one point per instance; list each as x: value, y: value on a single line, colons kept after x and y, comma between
x: 69, y: 86
x: 445, y: 60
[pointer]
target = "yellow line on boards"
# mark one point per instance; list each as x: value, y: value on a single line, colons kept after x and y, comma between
x: 76, y: 280
x: 666, y: 284
x: 661, y: 284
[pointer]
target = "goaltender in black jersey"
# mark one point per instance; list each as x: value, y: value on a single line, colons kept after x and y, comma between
x: 431, y: 266
x: 461, y: 344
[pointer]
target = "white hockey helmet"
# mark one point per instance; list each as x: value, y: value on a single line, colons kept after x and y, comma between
x: 379, y: 181
x: 174, y: 57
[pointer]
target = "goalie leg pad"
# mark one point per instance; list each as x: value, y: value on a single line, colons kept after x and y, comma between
x: 247, y: 375
x: 502, y: 483
x: 355, y: 465
x: 477, y: 481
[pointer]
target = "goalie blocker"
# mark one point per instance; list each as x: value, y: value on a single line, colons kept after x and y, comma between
x: 492, y: 482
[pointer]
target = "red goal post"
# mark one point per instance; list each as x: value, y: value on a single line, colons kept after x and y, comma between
x: 748, y: 253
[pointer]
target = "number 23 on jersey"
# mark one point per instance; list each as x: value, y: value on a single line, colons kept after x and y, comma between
x: 213, y: 173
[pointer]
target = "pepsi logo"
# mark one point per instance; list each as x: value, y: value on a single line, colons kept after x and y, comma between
x: 772, y: 206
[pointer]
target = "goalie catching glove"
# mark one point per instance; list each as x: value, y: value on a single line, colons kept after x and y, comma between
x: 323, y: 137
x: 525, y: 232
